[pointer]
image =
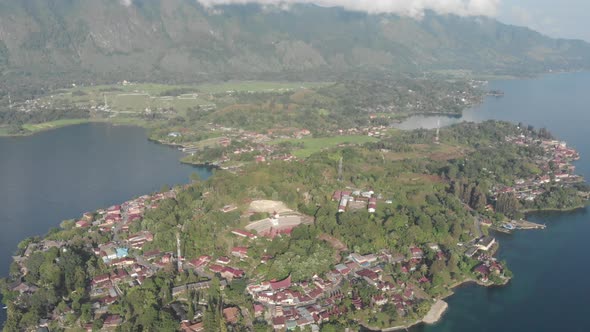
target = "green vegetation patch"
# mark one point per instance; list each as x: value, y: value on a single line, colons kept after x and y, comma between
x: 54, y: 124
x: 310, y: 146
x: 4, y: 131
x: 258, y: 86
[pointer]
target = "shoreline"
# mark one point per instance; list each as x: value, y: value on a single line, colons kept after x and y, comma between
x: 434, y: 315
x: 51, y: 127
x: 75, y: 122
x: 205, y: 164
x: 572, y: 209
x: 437, y: 313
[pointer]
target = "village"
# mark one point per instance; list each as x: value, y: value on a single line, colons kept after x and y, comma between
x: 400, y: 282
x: 233, y: 147
x: 555, y: 166
x: 284, y: 304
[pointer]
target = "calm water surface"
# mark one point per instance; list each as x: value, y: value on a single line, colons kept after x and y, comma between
x: 550, y: 288
x: 60, y: 174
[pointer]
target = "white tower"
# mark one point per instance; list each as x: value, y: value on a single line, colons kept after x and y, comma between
x: 436, y: 139
x: 178, y: 256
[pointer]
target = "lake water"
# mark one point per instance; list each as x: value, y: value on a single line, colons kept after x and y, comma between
x: 550, y: 288
x: 63, y: 173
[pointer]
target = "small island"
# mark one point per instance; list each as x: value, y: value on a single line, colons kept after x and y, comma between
x: 372, y: 233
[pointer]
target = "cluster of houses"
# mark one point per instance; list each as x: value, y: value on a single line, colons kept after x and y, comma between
x: 371, y: 131
x: 124, y: 269
x: 356, y: 200
x: 238, y: 142
x: 555, y: 165
x: 488, y: 266
x: 287, y: 305
x: 260, y: 144
x: 119, y: 217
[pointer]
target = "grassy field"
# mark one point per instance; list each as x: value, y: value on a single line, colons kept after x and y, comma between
x: 257, y: 86
x: 430, y: 151
x: 54, y: 124
x: 3, y: 132
x: 313, y: 145
x: 34, y: 128
x: 135, y: 98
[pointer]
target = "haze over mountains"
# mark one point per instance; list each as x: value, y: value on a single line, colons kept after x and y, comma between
x: 182, y: 40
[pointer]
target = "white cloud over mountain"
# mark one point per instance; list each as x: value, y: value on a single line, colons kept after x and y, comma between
x: 413, y: 8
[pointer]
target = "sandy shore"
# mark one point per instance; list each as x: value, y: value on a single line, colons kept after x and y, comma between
x: 436, y: 312
x: 433, y: 316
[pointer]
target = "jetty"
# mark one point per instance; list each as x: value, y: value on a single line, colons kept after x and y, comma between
x: 524, y: 224
x: 509, y: 227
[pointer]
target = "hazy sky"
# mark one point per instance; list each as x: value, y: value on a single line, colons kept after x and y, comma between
x: 557, y: 18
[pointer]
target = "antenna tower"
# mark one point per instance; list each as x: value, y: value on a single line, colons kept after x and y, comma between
x: 178, y: 256
x: 340, y: 169
x: 436, y: 139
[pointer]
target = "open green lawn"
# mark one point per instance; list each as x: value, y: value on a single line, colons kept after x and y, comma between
x: 313, y: 145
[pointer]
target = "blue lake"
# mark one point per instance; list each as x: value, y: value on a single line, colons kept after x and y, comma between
x: 550, y: 285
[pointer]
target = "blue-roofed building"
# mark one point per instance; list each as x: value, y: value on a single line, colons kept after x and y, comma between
x: 122, y: 252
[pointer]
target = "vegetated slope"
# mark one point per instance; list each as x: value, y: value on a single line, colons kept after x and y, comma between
x: 180, y: 40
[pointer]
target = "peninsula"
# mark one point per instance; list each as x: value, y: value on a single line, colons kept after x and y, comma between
x: 319, y: 215
x: 360, y: 233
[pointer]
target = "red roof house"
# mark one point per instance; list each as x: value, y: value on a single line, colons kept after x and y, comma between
x: 283, y: 284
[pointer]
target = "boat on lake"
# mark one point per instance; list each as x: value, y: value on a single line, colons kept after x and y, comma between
x: 496, y: 93
x: 509, y: 226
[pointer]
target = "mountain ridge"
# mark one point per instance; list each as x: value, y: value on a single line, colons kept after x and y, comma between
x: 182, y: 40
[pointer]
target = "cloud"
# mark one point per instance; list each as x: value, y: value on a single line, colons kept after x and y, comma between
x: 413, y: 8
x: 126, y: 3
x: 521, y: 16
x: 534, y: 19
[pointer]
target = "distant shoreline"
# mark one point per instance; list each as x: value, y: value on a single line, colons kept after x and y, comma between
x: 570, y: 209
x: 38, y: 128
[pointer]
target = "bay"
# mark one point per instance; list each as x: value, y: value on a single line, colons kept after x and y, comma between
x: 550, y: 287
x: 60, y: 174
